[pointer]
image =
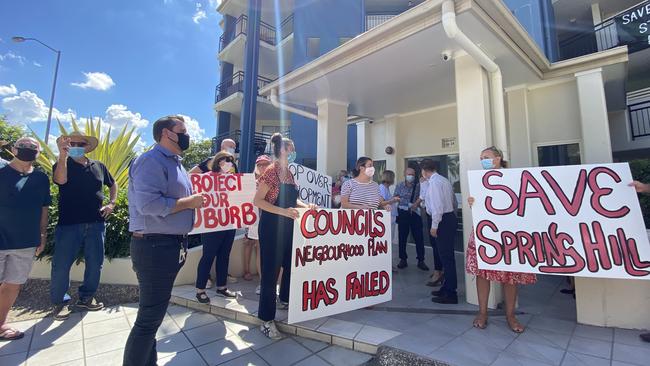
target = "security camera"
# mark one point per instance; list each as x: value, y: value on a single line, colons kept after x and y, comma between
x: 446, y: 56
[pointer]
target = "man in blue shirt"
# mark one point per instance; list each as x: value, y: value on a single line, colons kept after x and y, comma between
x: 24, y: 200
x: 161, y: 213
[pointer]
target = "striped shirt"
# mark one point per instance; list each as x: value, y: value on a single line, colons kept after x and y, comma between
x: 365, y: 195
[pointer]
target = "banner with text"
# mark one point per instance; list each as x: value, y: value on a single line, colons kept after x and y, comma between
x: 227, y: 201
x: 582, y: 220
x: 313, y: 187
x: 341, y: 261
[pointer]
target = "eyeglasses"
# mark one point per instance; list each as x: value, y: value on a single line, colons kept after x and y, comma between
x: 26, y: 145
x: 78, y: 144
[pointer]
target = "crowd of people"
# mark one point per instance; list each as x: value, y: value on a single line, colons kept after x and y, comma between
x: 161, y: 214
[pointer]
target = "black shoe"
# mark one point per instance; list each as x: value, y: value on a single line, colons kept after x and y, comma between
x: 568, y: 291
x: 445, y: 299
x: 61, y: 312
x: 402, y: 264
x: 422, y: 266
x: 645, y: 337
x: 437, y: 293
x: 226, y: 293
x: 202, y: 297
x: 89, y: 304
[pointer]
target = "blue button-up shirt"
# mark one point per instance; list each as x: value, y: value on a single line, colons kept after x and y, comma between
x: 156, y: 181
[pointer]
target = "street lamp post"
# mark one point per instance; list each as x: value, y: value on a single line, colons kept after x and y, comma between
x: 56, y: 73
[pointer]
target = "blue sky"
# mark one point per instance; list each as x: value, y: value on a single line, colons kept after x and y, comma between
x: 126, y: 61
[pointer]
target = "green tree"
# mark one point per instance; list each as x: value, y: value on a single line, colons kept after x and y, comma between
x: 9, y: 133
x: 197, y: 152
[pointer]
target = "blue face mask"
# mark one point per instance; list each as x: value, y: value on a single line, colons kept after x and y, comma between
x: 291, y: 157
x: 76, y: 151
x: 487, y: 164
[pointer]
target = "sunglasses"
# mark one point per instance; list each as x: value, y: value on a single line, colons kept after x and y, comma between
x: 26, y: 145
x: 78, y: 144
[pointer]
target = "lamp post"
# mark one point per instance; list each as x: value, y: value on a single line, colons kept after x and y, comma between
x: 56, y: 72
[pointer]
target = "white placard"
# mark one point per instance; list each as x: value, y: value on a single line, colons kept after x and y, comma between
x: 227, y: 201
x: 582, y: 220
x: 341, y: 261
x: 313, y: 187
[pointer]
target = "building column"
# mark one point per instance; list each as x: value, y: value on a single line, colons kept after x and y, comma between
x: 332, y: 134
x: 605, y: 302
x: 474, y: 134
x: 521, y: 153
x: 363, y: 138
x: 392, y: 122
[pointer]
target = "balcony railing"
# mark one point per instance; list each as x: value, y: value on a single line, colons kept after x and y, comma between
x: 236, y: 84
x: 268, y: 33
x: 639, y: 114
x: 373, y: 20
x: 260, y: 140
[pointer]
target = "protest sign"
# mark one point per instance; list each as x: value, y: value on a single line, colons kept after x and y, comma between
x: 227, y: 201
x: 341, y: 261
x: 313, y: 187
x: 581, y: 220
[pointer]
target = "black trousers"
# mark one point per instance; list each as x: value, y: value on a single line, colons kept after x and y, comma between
x: 410, y: 222
x: 156, y: 264
x: 217, y: 245
x: 276, y: 239
x: 437, y: 263
x: 445, y: 241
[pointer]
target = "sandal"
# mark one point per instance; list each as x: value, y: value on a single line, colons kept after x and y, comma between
x: 11, y: 334
x: 202, y: 297
x: 248, y: 276
x: 481, y: 321
x: 515, y: 325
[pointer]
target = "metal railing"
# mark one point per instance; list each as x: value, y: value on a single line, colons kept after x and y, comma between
x: 603, y: 37
x: 639, y: 114
x: 268, y: 33
x: 236, y: 84
x: 373, y: 20
x: 260, y: 140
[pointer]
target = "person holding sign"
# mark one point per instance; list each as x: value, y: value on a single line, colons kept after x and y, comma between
x: 441, y: 205
x: 161, y: 213
x: 277, y: 199
x: 261, y: 164
x: 492, y: 158
x: 217, y: 244
x: 642, y: 188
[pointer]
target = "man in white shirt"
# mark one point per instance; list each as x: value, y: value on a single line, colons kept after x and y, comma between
x: 439, y: 201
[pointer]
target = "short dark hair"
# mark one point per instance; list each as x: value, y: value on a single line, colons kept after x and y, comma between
x: 360, y: 162
x: 388, y: 176
x: 429, y: 165
x: 167, y: 122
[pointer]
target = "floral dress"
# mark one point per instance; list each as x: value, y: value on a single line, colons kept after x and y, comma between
x: 510, y: 278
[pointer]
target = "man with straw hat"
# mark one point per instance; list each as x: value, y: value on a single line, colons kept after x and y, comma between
x: 82, y: 215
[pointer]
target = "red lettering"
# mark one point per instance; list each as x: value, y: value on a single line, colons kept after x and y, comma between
x: 498, y: 187
x: 481, y: 250
x: 573, y: 206
x: 595, y: 250
x: 599, y: 192
x: 528, y: 179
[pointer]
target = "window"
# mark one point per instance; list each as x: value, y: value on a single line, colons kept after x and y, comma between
x: 342, y: 40
x: 313, y: 47
x: 554, y: 155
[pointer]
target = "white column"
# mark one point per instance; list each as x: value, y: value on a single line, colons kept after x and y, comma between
x: 605, y: 302
x: 519, y: 128
x: 363, y: 138
x: 332, y: 129
x: 596, y: 14
x: 474, y: 134
x: 392, y: 121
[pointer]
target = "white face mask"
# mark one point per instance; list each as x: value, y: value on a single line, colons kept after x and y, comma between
x: 230, y: 150
x: 370, y: 172
x: 410, y: 178
x: 226, y: 167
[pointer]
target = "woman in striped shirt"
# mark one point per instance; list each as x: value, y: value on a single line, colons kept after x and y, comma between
x: 362, y: 192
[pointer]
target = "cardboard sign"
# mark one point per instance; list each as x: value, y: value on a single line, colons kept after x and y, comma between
x: 313, y: 187
x: 581, y: 220
x: 227, y: 201
x: 341, y: 261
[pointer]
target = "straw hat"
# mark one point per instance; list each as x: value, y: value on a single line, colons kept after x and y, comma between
x: 91, y: 142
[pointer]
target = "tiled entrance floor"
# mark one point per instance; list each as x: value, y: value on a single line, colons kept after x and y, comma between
x: 186, y: 338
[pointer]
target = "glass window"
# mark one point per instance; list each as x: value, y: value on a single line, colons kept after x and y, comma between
x: 313, y: 47
x: 554, y: 155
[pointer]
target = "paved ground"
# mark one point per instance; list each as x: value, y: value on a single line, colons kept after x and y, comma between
x: 185, y: 338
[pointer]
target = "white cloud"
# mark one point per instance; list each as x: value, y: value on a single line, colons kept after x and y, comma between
x: 37, y: 64
x: 199, y: 14
x: 8, y: 90
x: 51, y: 143
x: 193, y: 128
x: 118, y: 116
x: 12, y: 56
x: 28, y: 107
x: 214, y: 4
x: 96, y: 80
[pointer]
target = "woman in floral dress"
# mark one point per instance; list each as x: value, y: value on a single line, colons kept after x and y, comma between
x: 492, y: 158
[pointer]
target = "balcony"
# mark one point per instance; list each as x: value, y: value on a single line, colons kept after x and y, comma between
x: 639, y: 116
x: 373, y: 20
x: 260, y: 140
x: 236, y: 85
x: 268, y: 33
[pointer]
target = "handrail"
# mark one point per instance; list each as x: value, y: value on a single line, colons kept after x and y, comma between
x: 267, y: 32
x: 235, y: 84
x: 639, y: 115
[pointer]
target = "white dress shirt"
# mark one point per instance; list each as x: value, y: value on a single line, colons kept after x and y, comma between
x: 439, y: 199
